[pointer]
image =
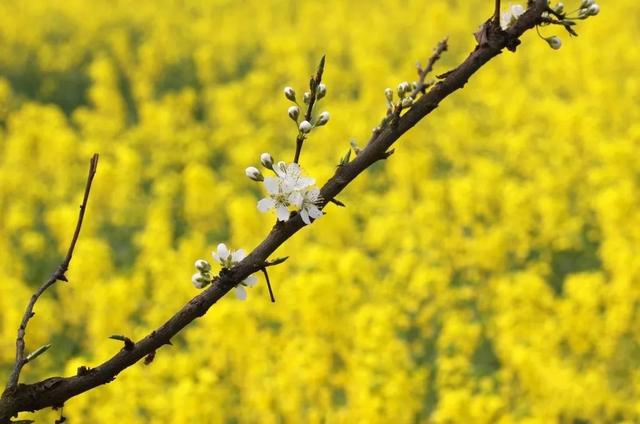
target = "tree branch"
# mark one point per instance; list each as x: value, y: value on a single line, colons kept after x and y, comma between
x: 58, y: 275
x: 55, y: 391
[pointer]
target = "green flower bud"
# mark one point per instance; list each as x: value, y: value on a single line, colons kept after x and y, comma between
x: 407, y: 101
x: 290, y: 93
x: 555, y: 42
x: 203, y: 266
x: 305, y: 127
x: 254, y: 173
x: 388, y: 94
x: 323, y: 118
x: 321, y: 91
x: 294, y: 112
x: 266, y: 160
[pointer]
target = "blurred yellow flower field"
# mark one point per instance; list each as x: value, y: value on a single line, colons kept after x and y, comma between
x: 487, y: 272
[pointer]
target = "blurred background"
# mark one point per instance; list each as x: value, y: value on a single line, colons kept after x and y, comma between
x: 488, y: 272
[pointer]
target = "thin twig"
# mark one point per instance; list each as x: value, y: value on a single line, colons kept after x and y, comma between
x: 58, y: 275
x: 496, y: 12
x: 421, y: 86
x: 266, y: 277
x: 314, y: 82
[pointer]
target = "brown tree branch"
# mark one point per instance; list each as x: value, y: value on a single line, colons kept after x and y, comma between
x: 55, y: 391
x: 58, y: 275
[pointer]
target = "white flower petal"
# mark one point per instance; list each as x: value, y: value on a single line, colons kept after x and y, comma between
x: 222, y: 253
x: 251, y: 280
x: 265, y: 204
x: 241, y: 293
x: 305, y: 216
x: 283, y: 213
x: 272, y: 184
x: 315, y: 212
x: 238, y: 255
x: 295, y: 198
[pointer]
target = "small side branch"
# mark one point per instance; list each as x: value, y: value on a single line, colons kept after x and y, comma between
x: 58, y: 275
x: 421, y: 86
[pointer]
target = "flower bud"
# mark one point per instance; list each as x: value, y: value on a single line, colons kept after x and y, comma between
x: 305, y: 127
x: 559, y: 9
x: 202, y: 265
x: 321, y: 91
x: 266, y: 160
x: 407, y: 101
x: 403, y: 88
x: 586, y: 3
x: 199, y: 281
x: 554, y: 42
x: 593, y: 10
x: 254, y: 173
x: 306, y: 97
x: 294, y: 112
x: 290, y: 93
x: 323, y: 118
x: 388, y: 94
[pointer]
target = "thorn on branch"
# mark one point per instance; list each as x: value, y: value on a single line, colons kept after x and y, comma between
x: 128, y: 343
x: 338, y: 203
x: 266, y: 276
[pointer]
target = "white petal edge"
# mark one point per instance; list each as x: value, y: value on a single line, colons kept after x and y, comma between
x: 241, y: 293
x: 238, y: 255
x: 283, y: 213
x: 265, y: 204
x: 305, y: 216
x: 251, y: 280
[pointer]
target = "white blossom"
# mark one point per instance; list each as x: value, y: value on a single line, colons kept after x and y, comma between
x: 287, y: 189
x: 228, y: 258
x: 309, y: 206
x: 509, y: 17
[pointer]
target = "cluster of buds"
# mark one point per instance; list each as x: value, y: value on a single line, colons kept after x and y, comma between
x: 227, y: 259
x: 305, y: 126
x: 556, y: 15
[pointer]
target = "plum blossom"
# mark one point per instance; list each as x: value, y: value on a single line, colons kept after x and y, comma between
x: 509, y: 17
x: 309, y: 207
x: 286, y: 189
x: 227, y: 258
